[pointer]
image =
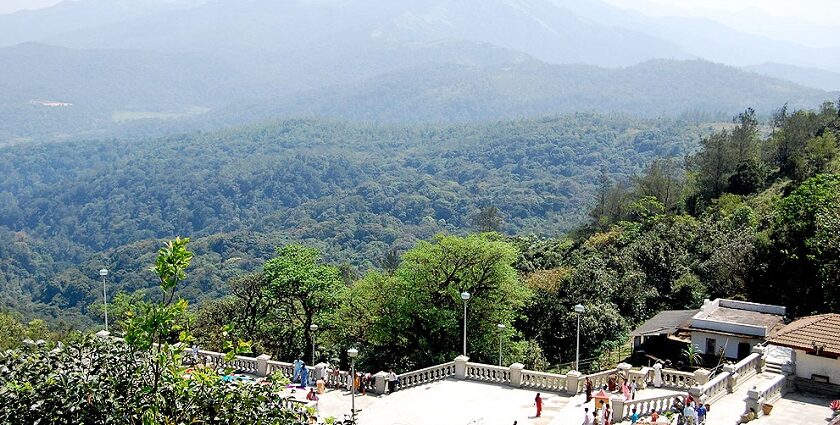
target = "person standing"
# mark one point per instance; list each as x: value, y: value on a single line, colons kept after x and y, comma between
x: 634, y: 417
x: 607, y: 415
x: 588, y: 387
x: 690, y: 414
x: 654, y: 415
x: 701, y: 414
x: 633, y: 390
x: 538, y: 401
x: 587, y: 420
x: 392, y: 381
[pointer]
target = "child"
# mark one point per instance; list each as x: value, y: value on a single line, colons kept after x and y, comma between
x: 634, y: 417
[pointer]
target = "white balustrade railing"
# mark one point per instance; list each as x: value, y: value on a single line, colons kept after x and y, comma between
x: 773, y: 390
x: 598, y: 379
x: 676, y: 379
x: 287, y: 369
x: 644, y: 406
x: 427, y: 375
x: 715, y: 389
x: 747, y: 367
x: 240, y: 363
x: 487, y: 373
x: 543, y: 381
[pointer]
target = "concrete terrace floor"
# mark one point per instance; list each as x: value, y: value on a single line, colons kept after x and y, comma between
x: 447, y: 402
x: 456, y: 402
x: 728, y: 410
x: 798, y: 408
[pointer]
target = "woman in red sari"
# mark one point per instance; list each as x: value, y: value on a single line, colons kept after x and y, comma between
x: 538, y: 402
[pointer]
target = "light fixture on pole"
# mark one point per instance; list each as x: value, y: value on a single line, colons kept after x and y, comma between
x: 352, y: 353
x: 501, y: 328
x: 466, y: 297
x: 579, y: 309
x: 312, y: 328
x: 104, y: 274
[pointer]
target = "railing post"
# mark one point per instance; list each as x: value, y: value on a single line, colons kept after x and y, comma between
x: 759, y: 367
x: 572, y: 379
x: 624, y: 370
x: 754, y: 401
x: 732, y: 379
x: 380, y: 382
x: 696, y: 392
x: 617, y: 403
x: 461, y: 367
x: 262, y: 365
x: 516, y: 374
x: 701, y: 376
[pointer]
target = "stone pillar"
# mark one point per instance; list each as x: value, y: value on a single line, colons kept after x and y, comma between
x: 696, y: 392
x: 624, y: 369
x: 262, y: 365
x: 640, y: 377
x: 755, y: 401
x: 380, y: 382
x: 732, y: 379
x: 461, y: 367
x: 572, y: 380
x: 516, y: 374
x: 701, y: 376
x: 617, y: 403
x: 761, y: 351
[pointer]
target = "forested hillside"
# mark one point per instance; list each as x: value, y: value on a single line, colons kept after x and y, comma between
x: 354, y: 191
x: 751, y: 215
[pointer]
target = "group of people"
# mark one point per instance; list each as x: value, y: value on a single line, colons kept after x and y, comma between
x: 688, y: 412
x: 628, y: 389
x: 600, y: 416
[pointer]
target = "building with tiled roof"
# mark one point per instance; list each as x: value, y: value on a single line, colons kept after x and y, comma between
x: 815, y: 341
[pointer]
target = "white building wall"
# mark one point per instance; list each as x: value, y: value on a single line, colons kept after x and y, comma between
x: 730, y: 343
x: 807, y: 365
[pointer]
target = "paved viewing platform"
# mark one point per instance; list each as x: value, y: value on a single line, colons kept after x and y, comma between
x: 458, y: 402
x: 465, y: 393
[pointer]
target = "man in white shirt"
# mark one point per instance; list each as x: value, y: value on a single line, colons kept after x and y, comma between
x: 690, y: 414
x: 587, y: 418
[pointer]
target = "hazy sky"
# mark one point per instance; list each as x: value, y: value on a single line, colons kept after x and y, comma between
x: 810, y: 22
x: 812, y: 10
x: 8, y: 6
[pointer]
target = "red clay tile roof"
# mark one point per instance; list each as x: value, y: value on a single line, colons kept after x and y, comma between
x: 810, y: 332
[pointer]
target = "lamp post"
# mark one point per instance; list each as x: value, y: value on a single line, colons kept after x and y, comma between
x: 579, y: 309
x: 313, y: 327
x: 104, y: 274
x: 501, y: 329
x: 466, y: 297
x: 352, y: 353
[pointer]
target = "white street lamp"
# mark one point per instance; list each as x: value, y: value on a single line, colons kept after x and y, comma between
x: 466, y: 297
x: 579, y: 309
x: 104, y: 274
x: 353, y: 353
x: 501, y: 329
x: 313, y: 327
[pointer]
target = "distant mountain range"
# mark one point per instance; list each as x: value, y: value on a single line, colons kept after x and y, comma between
x: 151, y: 65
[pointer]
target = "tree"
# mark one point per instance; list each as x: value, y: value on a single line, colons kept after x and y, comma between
x: 800, y: 253
x: 304, y: 288
x: 412, y: 318
x: 488, y: 219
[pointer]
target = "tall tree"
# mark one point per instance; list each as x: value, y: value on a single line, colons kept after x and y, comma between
x: 304, y: 286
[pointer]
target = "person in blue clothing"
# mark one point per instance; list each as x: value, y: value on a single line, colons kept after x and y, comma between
x: 701, y: 414
x: 634, y: 417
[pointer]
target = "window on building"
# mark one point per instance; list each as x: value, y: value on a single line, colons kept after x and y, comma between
x: 711, y: 346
